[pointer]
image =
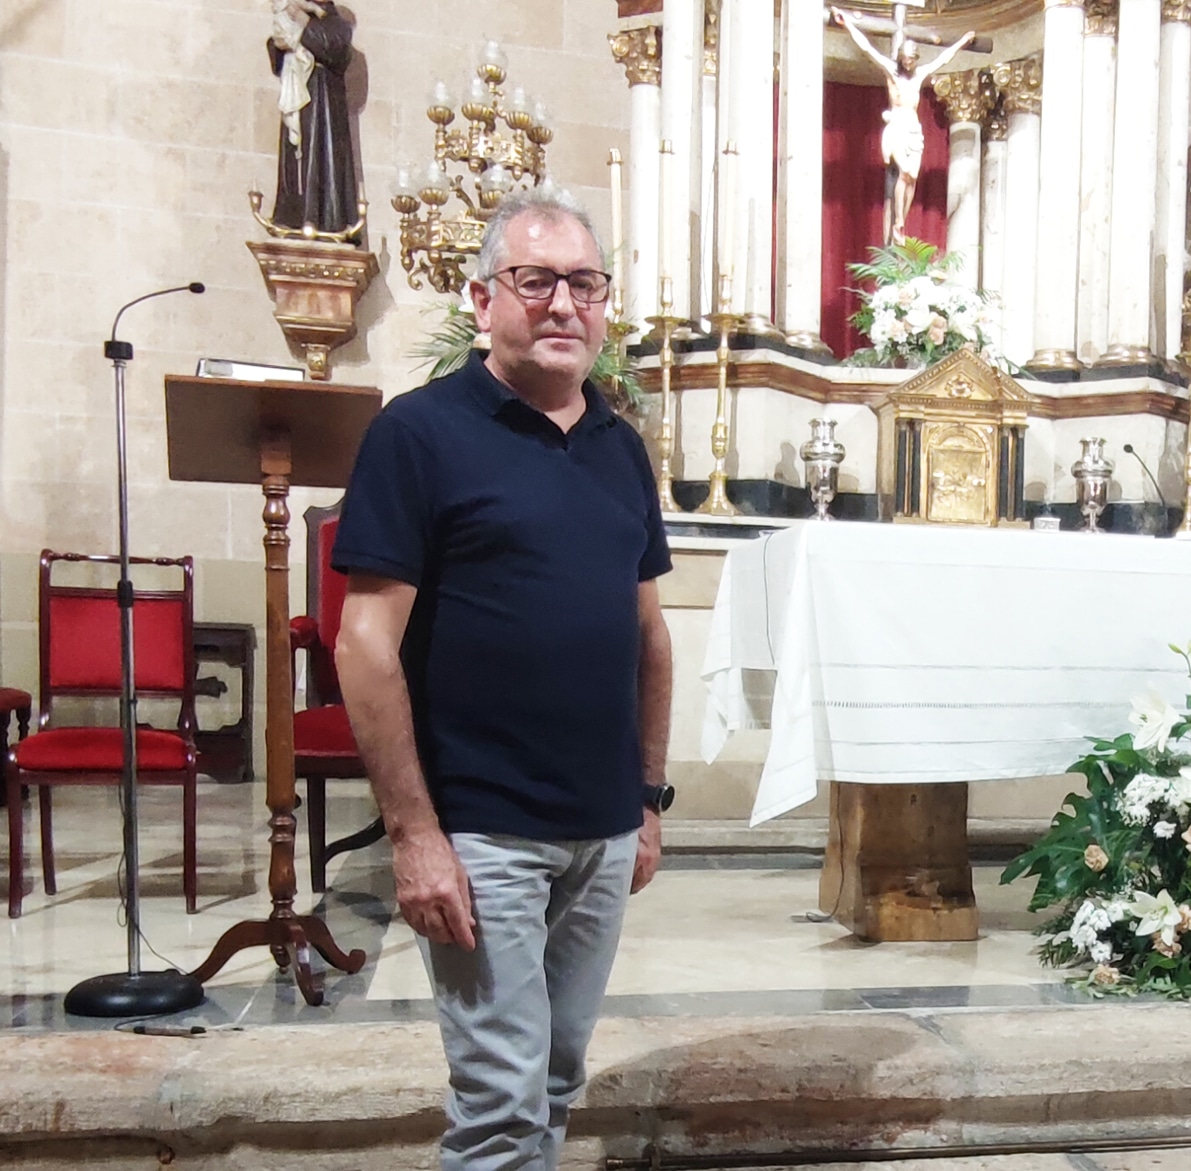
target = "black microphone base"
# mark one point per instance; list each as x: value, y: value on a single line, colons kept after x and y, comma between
x: 125, y: 995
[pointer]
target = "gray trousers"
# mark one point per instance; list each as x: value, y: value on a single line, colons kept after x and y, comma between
x: 517, y: 1013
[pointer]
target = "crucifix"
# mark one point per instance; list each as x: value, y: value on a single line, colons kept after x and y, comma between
x: 902, y: 140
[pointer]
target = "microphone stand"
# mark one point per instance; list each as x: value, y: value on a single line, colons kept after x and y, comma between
x: 133, y: 992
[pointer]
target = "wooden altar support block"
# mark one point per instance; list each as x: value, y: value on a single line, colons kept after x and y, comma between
x: 897, y: 866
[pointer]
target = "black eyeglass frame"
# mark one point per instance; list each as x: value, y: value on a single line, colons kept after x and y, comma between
x: 558, y: 276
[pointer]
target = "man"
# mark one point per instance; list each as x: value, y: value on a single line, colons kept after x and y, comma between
x: 502, y: 529
x: 902, y: 140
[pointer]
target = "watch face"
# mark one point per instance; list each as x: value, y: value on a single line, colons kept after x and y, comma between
x: 659, y: 797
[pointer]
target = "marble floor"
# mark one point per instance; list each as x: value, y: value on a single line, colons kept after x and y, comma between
x: 714, y: 934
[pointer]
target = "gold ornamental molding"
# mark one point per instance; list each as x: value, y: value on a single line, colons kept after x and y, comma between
x: 1100, y: 18
x: 995, y: 127
x: 315, y: 288
x: 1176, y: 11
x: 966, y: 96
x: 711, y: 40
x: 750, y: 368
x: 639, y: 50
x: 1020, y: 84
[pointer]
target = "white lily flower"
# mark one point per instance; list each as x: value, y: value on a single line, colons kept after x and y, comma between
x: 1180, y: 792
x: 1157, y: 914
x: 1154, y: 718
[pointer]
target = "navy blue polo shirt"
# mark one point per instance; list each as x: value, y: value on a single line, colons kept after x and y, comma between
x: 527, y: 545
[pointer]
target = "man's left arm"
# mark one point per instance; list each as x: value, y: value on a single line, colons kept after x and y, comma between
x: 654, y: 677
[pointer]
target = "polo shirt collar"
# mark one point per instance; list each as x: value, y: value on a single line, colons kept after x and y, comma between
x: 494, y: 396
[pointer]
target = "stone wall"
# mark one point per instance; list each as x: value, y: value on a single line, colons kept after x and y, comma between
x: 130, y: 133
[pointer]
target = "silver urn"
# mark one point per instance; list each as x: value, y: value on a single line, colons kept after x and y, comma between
x: 1092, y: 472
x: 823, y: 454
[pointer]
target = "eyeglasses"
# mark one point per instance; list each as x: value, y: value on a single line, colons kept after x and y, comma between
x: 531, y: 283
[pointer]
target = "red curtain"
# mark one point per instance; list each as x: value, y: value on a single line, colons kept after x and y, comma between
x: 854, y: 194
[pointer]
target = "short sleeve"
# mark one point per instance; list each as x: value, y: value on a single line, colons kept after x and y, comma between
x: 387, y: 515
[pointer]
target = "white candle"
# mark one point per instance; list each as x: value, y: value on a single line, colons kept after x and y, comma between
x: 727, y: 210
x: 617, y: 224
x: 665, y: 167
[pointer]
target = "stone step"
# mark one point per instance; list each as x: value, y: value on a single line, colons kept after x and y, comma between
x: 366, y: 1097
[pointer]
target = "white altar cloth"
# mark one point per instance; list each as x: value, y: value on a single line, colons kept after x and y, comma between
x: 918, y: 653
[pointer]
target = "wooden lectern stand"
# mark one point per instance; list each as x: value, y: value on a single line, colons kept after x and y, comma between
x: 276, y: 434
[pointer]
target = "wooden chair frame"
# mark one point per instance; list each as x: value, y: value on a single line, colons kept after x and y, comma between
x: 16, y: 776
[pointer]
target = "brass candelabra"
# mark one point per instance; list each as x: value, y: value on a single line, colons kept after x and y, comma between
x: 725, y: 323
x: 434, y: 245
x: 664, y: 325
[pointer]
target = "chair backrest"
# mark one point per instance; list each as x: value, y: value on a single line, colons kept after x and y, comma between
x: 325, y: 591
x: 79, y: 637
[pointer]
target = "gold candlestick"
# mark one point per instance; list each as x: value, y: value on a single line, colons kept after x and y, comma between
x: 664, y: 325
x: 717, y: 502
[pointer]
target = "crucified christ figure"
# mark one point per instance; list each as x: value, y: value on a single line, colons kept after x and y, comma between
x: 901, y: 140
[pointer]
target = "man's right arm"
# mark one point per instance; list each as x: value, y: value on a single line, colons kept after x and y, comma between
x: 432, y: 887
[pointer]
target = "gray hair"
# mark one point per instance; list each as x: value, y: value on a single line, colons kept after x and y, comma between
x: 547, y: 202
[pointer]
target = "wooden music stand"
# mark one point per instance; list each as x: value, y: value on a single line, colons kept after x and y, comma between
x: 276, y: 434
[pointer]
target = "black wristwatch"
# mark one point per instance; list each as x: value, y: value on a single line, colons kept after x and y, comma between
x: 659, y: 798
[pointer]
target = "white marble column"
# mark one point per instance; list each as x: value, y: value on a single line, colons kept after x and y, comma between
x: 746, y: 47
x: 1020, y: 83
x: 1134, y: 171
x: 966, y: 97
x: 800, y: 177
x: 1095, y: 178
x: 639, y: 51
x: 992, y: 216
x: 1171, y: 210
x: 682, y: 114
x: 1058, y: 187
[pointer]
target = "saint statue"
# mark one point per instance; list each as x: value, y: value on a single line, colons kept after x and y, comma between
x: 310, y: 49
x: 901, y: 140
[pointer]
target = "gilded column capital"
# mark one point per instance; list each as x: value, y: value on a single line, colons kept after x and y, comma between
x: 966, y: 96
x: 1100, y: 18
x: 711, y: 40
x: 639, y: 50
x: 995, y: 127
x: 1176, y: 11
x: 1020, y: 84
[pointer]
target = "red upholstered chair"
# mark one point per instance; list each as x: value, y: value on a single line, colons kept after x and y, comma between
x: 13, y: 701
x: 324, y: 747
x: 79, y: 643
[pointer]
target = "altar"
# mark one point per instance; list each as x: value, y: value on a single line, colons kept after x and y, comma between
x: 927, y: 657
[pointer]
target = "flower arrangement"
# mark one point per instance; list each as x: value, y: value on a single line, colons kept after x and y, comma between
x: 916, y: 313
x: 1116, y: 864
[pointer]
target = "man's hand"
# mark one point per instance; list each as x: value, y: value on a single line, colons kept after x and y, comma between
x: 432, y: 888
x: 649, y: 851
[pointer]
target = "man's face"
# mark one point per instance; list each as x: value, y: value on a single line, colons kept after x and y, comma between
x: 908, y: 57
x: 539, y: 343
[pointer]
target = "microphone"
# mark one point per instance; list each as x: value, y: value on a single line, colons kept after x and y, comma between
x: 122, y: 351
x: 1129, y: 449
